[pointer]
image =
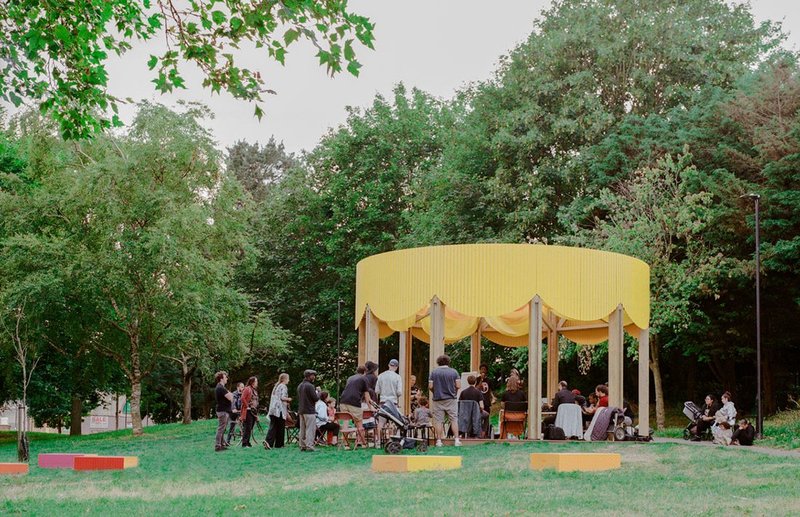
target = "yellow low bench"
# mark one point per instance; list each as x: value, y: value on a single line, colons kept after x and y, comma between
x: 575, y: 461
x: 399, y: 463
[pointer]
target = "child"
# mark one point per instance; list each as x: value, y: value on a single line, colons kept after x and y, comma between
x: 332, y: 438
x: 422, y: 415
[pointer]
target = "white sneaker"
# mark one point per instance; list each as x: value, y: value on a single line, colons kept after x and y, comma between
x: 458, y: 443
x: 438, y: 443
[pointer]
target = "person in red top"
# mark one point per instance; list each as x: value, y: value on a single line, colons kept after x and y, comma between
x: 602, y: 395
x: 249, y: 413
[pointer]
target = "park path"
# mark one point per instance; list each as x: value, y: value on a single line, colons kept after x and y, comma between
x: 754, y: 448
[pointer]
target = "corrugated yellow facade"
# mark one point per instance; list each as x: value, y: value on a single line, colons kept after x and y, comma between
x: 496, y: 282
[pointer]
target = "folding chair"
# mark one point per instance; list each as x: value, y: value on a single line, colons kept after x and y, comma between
x: 513, y: 418
x: 347, y: 430
x: 293, y: 431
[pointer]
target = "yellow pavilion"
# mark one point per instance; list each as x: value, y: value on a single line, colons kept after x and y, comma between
x: 513, y: 295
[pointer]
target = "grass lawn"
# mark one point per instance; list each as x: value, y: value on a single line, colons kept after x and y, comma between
x: 180, y: 474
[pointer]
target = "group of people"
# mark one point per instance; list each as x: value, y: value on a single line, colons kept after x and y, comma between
x: 719, y: 417
x: 316, y: 411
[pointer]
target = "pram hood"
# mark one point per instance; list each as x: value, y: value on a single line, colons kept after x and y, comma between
x: 389, y: 410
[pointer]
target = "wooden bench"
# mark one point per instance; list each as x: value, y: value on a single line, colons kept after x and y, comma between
x: 60, y: 460
x: 105, y: 462
x: 575, y: 461
x: 400, y: 463
x: 13, y: 468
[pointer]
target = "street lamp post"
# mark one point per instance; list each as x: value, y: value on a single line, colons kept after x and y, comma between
x: 338, y: 347
x: 759, y: 415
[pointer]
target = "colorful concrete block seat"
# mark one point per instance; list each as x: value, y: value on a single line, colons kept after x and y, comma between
x: 575, y: 461
x: 59, y: 460
x: 13, y: 468
x: 402, y: 463
x: 105, y: 462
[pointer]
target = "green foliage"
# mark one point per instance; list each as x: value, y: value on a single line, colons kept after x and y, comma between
x: 57, y: 53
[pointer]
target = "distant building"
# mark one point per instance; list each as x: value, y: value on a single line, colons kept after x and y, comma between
x: 111, y: 414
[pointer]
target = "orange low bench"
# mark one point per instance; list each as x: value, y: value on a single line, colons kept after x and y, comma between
x: 105, y: 462
x: 13, y: 468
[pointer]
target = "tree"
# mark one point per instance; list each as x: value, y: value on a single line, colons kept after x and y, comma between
x: 347, y: 201
x: 521, y: 157
x: 258, y: 167
x: 658, y: 217
x: 56, y: 53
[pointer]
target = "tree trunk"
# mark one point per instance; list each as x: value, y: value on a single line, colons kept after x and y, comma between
x: 188, y: 373
x: 75, y: 416
x: 655, y: 367
x: 136, y: 387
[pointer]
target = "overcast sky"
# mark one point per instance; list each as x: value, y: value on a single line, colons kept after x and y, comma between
x: 435, y: 45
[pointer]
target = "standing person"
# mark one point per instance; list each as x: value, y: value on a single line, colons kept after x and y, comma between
x: 223, y: 398
x: 249, y: 410
x: 325, y: 423
x: 236, y: 409
x: 484, y: 377
x: 443, y: 383
x: 388, y: 388
x: 278, y: 412
x: 307, y: 397
x: 356, y: 389
x: 473, y: 393
x: 372, y: 378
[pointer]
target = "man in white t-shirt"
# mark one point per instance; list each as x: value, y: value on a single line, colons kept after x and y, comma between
x: 389, y: 388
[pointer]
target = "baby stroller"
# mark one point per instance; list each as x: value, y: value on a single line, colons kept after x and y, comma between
x: 693, y: 413
x: 401, y: 440
x: 623, y: 429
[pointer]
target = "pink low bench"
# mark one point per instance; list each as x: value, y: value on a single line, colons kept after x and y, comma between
x: 59, y: 460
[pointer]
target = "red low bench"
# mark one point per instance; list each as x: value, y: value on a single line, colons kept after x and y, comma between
x: 105, y: 462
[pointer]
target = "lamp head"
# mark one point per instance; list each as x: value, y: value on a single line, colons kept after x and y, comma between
x: 751, y: 195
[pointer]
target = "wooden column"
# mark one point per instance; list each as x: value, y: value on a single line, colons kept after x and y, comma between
x: 552, y: 363
x: 644, y: 382
x: 372, y: 337
x: 475, y: 350
x: 405, y: 369
x: 362, y: 341
x: 437, y: 331
x: 616, y: 341
x: 535, y: 370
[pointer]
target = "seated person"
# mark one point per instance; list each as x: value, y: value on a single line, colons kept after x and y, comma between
x: 422, y: 415
x: 413, y: 393
x: 472, y: 393
x: 562, y: 396
x: 724, y: 420
x: 589, y: 407
x: 601, y: 392
x: 579, y: 399
x: 324, y: 422
x: 706, y: 420
x: 513, y: 392
x: 744, y: 435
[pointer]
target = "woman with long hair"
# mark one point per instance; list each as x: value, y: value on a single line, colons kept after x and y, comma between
x: 249, y: 410
x: 278, y: 413
x: 513, y: 392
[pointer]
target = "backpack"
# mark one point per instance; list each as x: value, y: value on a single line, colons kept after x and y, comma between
x: 554, y: 433
x: 237, y: 401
